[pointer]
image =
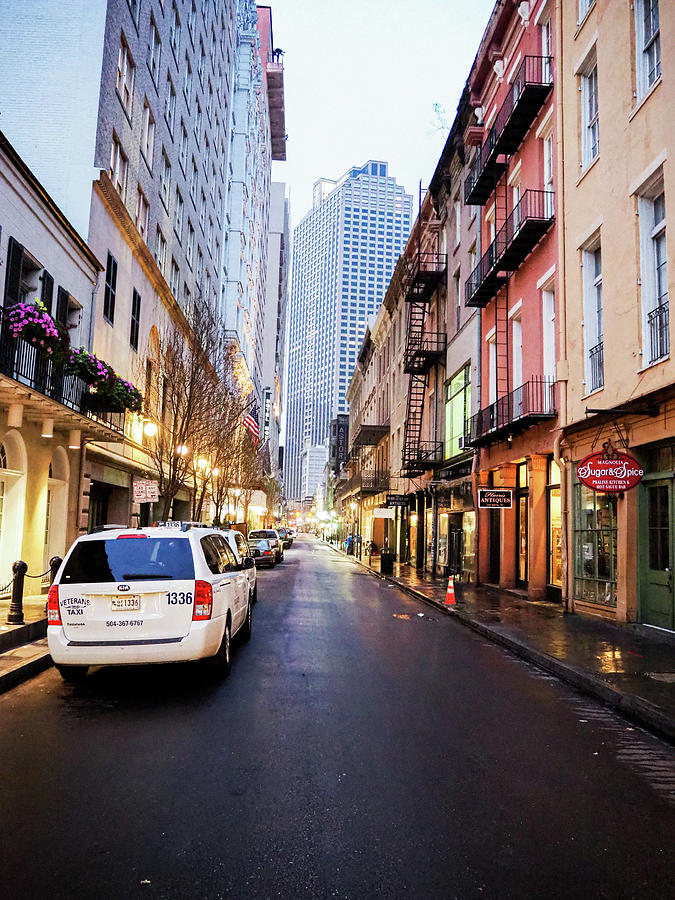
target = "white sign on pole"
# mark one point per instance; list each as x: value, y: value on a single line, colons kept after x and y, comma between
x: 145, y: 491
x: 384, y: 513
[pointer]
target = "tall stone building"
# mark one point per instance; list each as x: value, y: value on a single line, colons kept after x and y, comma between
x: 344, y: 253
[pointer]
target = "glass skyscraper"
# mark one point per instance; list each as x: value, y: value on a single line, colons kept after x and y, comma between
x: 344, y: 253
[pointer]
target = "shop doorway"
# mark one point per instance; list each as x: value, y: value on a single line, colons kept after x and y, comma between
x: 494, y: 568
x: 522, y: 498
x: 657, y: 600
x: 99, y: 497
x: 554, y: 535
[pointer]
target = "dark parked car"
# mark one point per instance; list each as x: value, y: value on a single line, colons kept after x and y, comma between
x: 286, y: 537
x: 262, y: 553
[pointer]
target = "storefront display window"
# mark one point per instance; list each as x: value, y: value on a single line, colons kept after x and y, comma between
x: 443, y: 540
x: 469, y: 528
x: 554, y: 526
x: 594, y: 546
x: 429, y: 536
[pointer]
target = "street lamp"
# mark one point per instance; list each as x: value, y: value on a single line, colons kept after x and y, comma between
x: 150, y: 429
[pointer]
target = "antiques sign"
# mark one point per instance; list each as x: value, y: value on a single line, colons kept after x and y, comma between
x: 397, y: 499
x: 495, y: 498
x: 610, y: 475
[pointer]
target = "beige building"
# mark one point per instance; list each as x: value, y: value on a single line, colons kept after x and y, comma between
x: 615, y: 368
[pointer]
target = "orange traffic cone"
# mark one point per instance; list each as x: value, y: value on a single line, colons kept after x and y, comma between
x: 450, y: 593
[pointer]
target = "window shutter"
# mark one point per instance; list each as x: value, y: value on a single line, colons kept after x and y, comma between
x: 62, y: 306
x: 14, y: 267
x: 47, y: 291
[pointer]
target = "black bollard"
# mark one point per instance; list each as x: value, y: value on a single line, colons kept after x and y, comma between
x: 15, y: 616
x: 54, y: 564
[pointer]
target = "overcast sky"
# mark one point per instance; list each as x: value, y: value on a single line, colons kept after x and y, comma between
x: 361, y: 80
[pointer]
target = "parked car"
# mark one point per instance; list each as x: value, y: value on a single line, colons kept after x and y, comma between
x: 286, y: 537
x: 239, y: 544
x: 272, y: 536
x: 147, y: 595
x: 262, y: 553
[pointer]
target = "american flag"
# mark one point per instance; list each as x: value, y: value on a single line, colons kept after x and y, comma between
x: 251, y: 423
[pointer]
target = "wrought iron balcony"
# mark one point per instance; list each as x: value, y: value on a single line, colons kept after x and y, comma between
x: 658, y: 323
x: 529, y: 221
x: 425, y: 272
x: 372, y: 481
x: 25, y: 364
x: 366, y: 435
x: 596, y: 359
x: 523, y: 407
x: 426, y: 455
x: 527, y: 93
x: 423, y: 351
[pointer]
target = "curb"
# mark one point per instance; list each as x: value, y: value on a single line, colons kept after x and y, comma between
x: 23, y: 670
x: 631, y: 707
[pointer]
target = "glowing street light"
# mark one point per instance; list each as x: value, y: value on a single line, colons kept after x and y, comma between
x: 202, y: 463
x: 150, y: 429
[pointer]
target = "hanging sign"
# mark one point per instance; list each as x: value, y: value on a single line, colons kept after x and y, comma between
x: 397, y: 499
x: 495, y: 498
x: 610, y: 474
x: 383, y: 513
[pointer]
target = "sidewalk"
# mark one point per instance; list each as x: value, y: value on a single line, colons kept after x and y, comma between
x: 630, y: 668
x: 23, y: 648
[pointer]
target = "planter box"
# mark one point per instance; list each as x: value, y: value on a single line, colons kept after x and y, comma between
x: 102, y: 403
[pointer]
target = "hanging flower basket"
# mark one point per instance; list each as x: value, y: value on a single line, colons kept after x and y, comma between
x: 100, y: 403
x: 108, y: 391
x: 32, y: 323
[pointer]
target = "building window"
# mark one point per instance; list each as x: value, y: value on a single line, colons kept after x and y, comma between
x: 126, y: 71
x: 174, y: 281
x: 183, y: 147
x: 200, y: 268
x: 654, y: 272
x: 192, y: 18
x: 154, y: 51
x: 593, y: 340
x: 110, y: 288
x: 165, y: 180
x: 174, y: 34
x: 170, y: 103
x: 135, y: 319
x: 118, y: 167
x: 202, y: 209
x: 187, y: 81
x: 190, y: 246
x: 148, y: 134
x: 594, y: 546
x: 548, y: 176
x: 202, y: 62
x: 199, y: 124
x: 647, y: 44
x: 142, y: 214
x: 178, y: 215
x: 457, y: 411
x: 458, y: 222
x: 194, y: 181
x: 584, y: 6
x: 160, y: 254
x: 590, y: 121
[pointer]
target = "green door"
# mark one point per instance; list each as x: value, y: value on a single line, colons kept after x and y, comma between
x: 657, y: 602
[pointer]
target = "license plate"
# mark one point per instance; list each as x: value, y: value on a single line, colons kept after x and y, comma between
x: 126, y: 604
x: 255, y: 552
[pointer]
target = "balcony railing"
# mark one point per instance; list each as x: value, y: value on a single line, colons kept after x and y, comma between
x: 527, y: 93
x: 596, y: 360
x: 529, y: 221
x: 425, y: 273
x: 423, y: 351
x: 372, y: 481
x: 21, y: 360
x: 658, y: 323
x: 514, y: 412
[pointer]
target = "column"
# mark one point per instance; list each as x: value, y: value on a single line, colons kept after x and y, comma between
x: 538, y: 530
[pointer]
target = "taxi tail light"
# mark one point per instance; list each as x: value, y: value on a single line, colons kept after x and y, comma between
x: 203, y: 601
x: 53, y: 612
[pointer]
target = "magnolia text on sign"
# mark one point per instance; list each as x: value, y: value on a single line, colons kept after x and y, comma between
x: 610, y: 476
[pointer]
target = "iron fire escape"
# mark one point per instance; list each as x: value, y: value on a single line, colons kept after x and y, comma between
x: 423, y: 350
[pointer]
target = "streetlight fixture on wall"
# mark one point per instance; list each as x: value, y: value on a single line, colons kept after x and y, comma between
x: 47, y: 428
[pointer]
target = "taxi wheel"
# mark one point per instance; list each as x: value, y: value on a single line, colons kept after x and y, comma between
x: 221, y: 663
x: 248, y: 623
x: 73, y: 674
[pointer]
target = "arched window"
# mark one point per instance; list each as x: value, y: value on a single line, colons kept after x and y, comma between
x: 3, y: 457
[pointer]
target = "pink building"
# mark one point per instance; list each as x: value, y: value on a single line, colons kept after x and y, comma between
x: 513, y: 282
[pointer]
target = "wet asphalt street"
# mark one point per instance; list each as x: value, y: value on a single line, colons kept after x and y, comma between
x: 357, y: 750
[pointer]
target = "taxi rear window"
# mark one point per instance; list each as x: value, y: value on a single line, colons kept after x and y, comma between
x: 142, y: 559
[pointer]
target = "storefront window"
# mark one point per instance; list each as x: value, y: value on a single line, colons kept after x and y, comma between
x: 429, y: 536
x: 457, y: 411
x: 554, y: 526
x: 469, y: 528
x: 594, y: 546
x: 443, y: 539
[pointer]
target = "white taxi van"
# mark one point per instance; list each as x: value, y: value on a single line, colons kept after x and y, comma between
x: 149, y: 595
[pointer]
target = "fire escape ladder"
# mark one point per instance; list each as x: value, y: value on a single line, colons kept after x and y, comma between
x: 413, y: 425
x: 502, y: 341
